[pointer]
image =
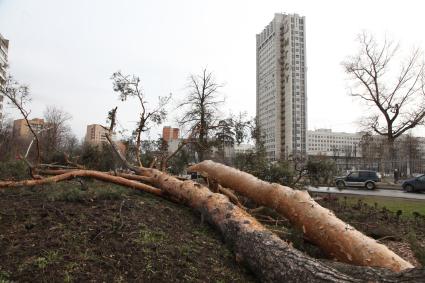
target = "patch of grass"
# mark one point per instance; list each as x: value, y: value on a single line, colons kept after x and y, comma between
x: 109, y: 192
x: 74, y: 192
x: 202, y: 231
x: 407, y: 206
x: 4, y: 276
x: 71, y: 268
x: 417, y: 248
x: 41, y: 262
x: 149, y: 268
x: 67, y: 277
x: 13, y: 170
x: 147, y: 236
x: 52, y: 256
x: 49, y: 258
x: 188, y: 249
x: 66, y: 193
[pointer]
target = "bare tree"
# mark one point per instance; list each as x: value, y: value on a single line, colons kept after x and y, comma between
x: 224, y: 136
x: 201, y: 107
x: 57, y: 130
x: 6, y: 140
x: 129, y: 86
x: 335, y: 152
x: 241, y: 127
x: 396, y: 97
x: 347, y: 154
x: 19, y: 97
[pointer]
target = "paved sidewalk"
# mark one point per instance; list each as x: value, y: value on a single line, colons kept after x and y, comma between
x: 361, y: 191
x: 389, y: 186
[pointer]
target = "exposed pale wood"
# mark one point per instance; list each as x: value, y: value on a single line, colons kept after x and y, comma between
x: 319, y: 225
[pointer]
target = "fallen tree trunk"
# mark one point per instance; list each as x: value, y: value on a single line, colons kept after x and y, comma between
x: 268, y: 256
x: 319, y: 225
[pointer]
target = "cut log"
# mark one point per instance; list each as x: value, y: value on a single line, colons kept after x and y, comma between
x: 319, y: 225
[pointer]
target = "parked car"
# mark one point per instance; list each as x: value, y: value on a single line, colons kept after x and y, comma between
x: 416, y: 184
x: 359, y: 178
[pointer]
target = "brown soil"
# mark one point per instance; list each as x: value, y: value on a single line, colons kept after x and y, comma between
x: 100, y: 232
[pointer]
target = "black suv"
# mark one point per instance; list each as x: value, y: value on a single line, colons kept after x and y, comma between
x: 360, y: 178
x: 414, y: 185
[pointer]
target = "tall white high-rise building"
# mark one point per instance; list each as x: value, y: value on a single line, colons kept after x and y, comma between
x: 4, y: 46
x: 282, y: 86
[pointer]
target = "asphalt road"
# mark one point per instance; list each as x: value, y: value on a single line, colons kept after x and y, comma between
x: 364, y: 192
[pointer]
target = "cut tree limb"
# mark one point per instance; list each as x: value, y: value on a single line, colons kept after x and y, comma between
x: 319, y: 225
x: 133, y: 177
x: 83, y: 173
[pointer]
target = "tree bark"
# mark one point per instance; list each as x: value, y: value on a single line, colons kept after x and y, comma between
x: 271, y: 258
x: 319, y: 225
x: 268, y: 256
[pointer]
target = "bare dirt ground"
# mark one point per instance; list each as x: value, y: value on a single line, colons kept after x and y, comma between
x: 104, y: 233
x: 96, y: 232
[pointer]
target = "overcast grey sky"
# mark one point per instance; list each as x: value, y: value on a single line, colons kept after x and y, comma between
x: 67, y: 50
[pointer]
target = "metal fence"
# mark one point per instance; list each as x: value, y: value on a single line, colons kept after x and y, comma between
x: 405, y: 168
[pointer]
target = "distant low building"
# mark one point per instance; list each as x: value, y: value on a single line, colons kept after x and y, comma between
x: 96, y: 134
x: 324, y: 142
x: 172, y: 137
x: 169, y: 133
x: 243, y: 148
x: 21, y: 129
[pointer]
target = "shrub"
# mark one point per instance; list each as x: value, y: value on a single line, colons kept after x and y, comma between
x: 321, y: 171
x: 416, y: 247
x: 13, y: 170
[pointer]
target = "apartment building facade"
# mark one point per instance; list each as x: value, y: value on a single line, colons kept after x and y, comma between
x: 281, y: 93
x: 22, y: 131
x: 96, y: 134
x: 169, y: 133
x: 325, y: 142
x: 4, y: 47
